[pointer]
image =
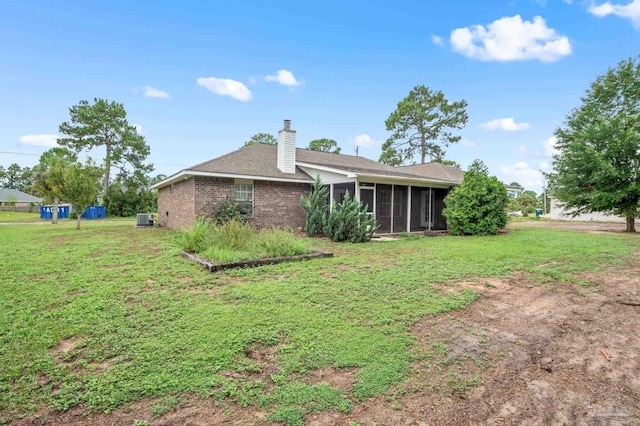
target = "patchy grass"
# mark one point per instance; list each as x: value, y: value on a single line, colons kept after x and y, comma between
x: 110, y: 314
x: 19, y: 217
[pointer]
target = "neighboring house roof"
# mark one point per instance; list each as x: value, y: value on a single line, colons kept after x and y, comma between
x: 260, y: 161
x: 14, y: 196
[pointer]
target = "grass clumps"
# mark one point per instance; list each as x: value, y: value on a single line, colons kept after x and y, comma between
x: 235, y: 240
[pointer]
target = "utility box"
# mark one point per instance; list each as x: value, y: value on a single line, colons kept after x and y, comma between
x: 144, y: 219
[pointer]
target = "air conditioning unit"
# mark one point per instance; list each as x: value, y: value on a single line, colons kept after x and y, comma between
x: 144, y: 219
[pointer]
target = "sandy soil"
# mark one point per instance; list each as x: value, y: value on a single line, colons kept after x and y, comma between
x: 524, y: 353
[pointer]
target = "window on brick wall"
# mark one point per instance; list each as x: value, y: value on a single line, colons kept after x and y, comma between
x: 244, y: 198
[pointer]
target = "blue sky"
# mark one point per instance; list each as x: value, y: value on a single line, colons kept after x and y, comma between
x: 200, y: 78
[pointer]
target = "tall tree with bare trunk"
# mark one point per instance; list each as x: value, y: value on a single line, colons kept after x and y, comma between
x: 104, y: 124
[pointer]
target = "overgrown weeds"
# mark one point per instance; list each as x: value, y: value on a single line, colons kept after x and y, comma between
x: 235, y: 240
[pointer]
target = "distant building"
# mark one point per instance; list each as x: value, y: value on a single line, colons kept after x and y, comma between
x: 14, y: 197
x: 558, y: 212
x: 514, y: 191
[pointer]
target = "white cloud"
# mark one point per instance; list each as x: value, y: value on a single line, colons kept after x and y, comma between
x: 152, y: 92
x: 39, y: 140
x: 437, y: 40
x: 284, y: 77
x: 138, y: 128
x: 506, y: 124
x: 365, y: 141
x: 630, y: 11
x: 511, y: 39
x: 467, y: 142
x: 525, y: 174
x: 226, y: 87
x: 549, y: 147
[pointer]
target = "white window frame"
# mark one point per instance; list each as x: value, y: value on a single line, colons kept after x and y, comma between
x: 244, y: 187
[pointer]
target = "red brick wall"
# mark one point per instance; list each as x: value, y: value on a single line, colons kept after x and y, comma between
x: 211, y: 192
x: 275, y: 203
x: 176, y: 206
x: 278, y: 204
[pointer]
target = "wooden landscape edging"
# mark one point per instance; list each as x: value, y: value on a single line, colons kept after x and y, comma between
x: 214, y: 267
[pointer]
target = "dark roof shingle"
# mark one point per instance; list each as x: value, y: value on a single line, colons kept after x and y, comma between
x: 261, y: 160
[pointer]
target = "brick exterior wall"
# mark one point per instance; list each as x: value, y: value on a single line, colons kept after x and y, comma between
x: 211, y: 192
x: 176, y: 205
x: 275, y: 203
x: 278, y: 204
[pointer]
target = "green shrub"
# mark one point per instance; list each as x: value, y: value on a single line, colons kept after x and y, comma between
x: 233, y: 234
x: 196, y: 239
x: 317, y: 208
x: 478, y: 205
x: 275, y: 243
x: 349, y: 221
x: 227, y: 211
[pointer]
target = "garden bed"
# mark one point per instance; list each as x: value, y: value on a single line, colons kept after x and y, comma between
x: 252, y: 263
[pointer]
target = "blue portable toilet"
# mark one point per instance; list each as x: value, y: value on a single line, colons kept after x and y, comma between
x: 46, y: 212
x: 95, y: 212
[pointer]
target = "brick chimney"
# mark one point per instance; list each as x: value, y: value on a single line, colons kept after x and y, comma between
x: 287, y: 149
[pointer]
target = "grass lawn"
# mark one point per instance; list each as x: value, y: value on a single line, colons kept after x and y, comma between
x: 6, y: 216
x: 110, y: 314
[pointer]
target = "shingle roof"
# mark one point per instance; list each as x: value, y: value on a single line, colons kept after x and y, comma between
x: 261, y: 160
x: 435, y: 170
x: 14, y: 196
x: 254, y: 160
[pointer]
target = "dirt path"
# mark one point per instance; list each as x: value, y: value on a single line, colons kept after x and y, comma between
x: 524, y: 353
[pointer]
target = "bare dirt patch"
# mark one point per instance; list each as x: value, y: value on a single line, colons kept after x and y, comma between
x: 524, y: 353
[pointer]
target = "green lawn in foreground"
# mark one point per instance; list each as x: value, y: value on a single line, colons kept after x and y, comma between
x: 6, y: 216
x: 148, y: 323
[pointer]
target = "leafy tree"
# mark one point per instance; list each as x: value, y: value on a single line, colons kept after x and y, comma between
x: 391, y: 157
x: 324, y: 145
x: 516, y: 185
x: 477, y: 205
x: 316, y: 205
x: 527, y: 200
x: 104, y: 124
x: 129, y: 195
x: 3, y: 173
x: 421, y: 124
x: 450, y: 163
x: 81, y: 185
x: 261, y: 138
x: 597, y: 168
x: 49, y: 176
x: 16, y: 177
x: 349, y: 221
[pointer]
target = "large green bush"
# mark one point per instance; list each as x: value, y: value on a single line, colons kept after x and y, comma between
x: 317, y: 208
x: 349, y: 221
x: 478, y: 205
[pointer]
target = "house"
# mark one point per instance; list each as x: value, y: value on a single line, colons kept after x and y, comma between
x: 558, y: 212
x: 17, y: 198
x: 270, y: 179
x: 514, y: 191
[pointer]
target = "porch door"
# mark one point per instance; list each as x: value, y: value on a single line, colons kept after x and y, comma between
x: 426, y: 209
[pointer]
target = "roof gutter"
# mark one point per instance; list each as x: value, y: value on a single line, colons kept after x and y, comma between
x: 185, y: 174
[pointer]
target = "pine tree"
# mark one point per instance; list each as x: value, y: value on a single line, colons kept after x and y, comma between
x: 317, y: 208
